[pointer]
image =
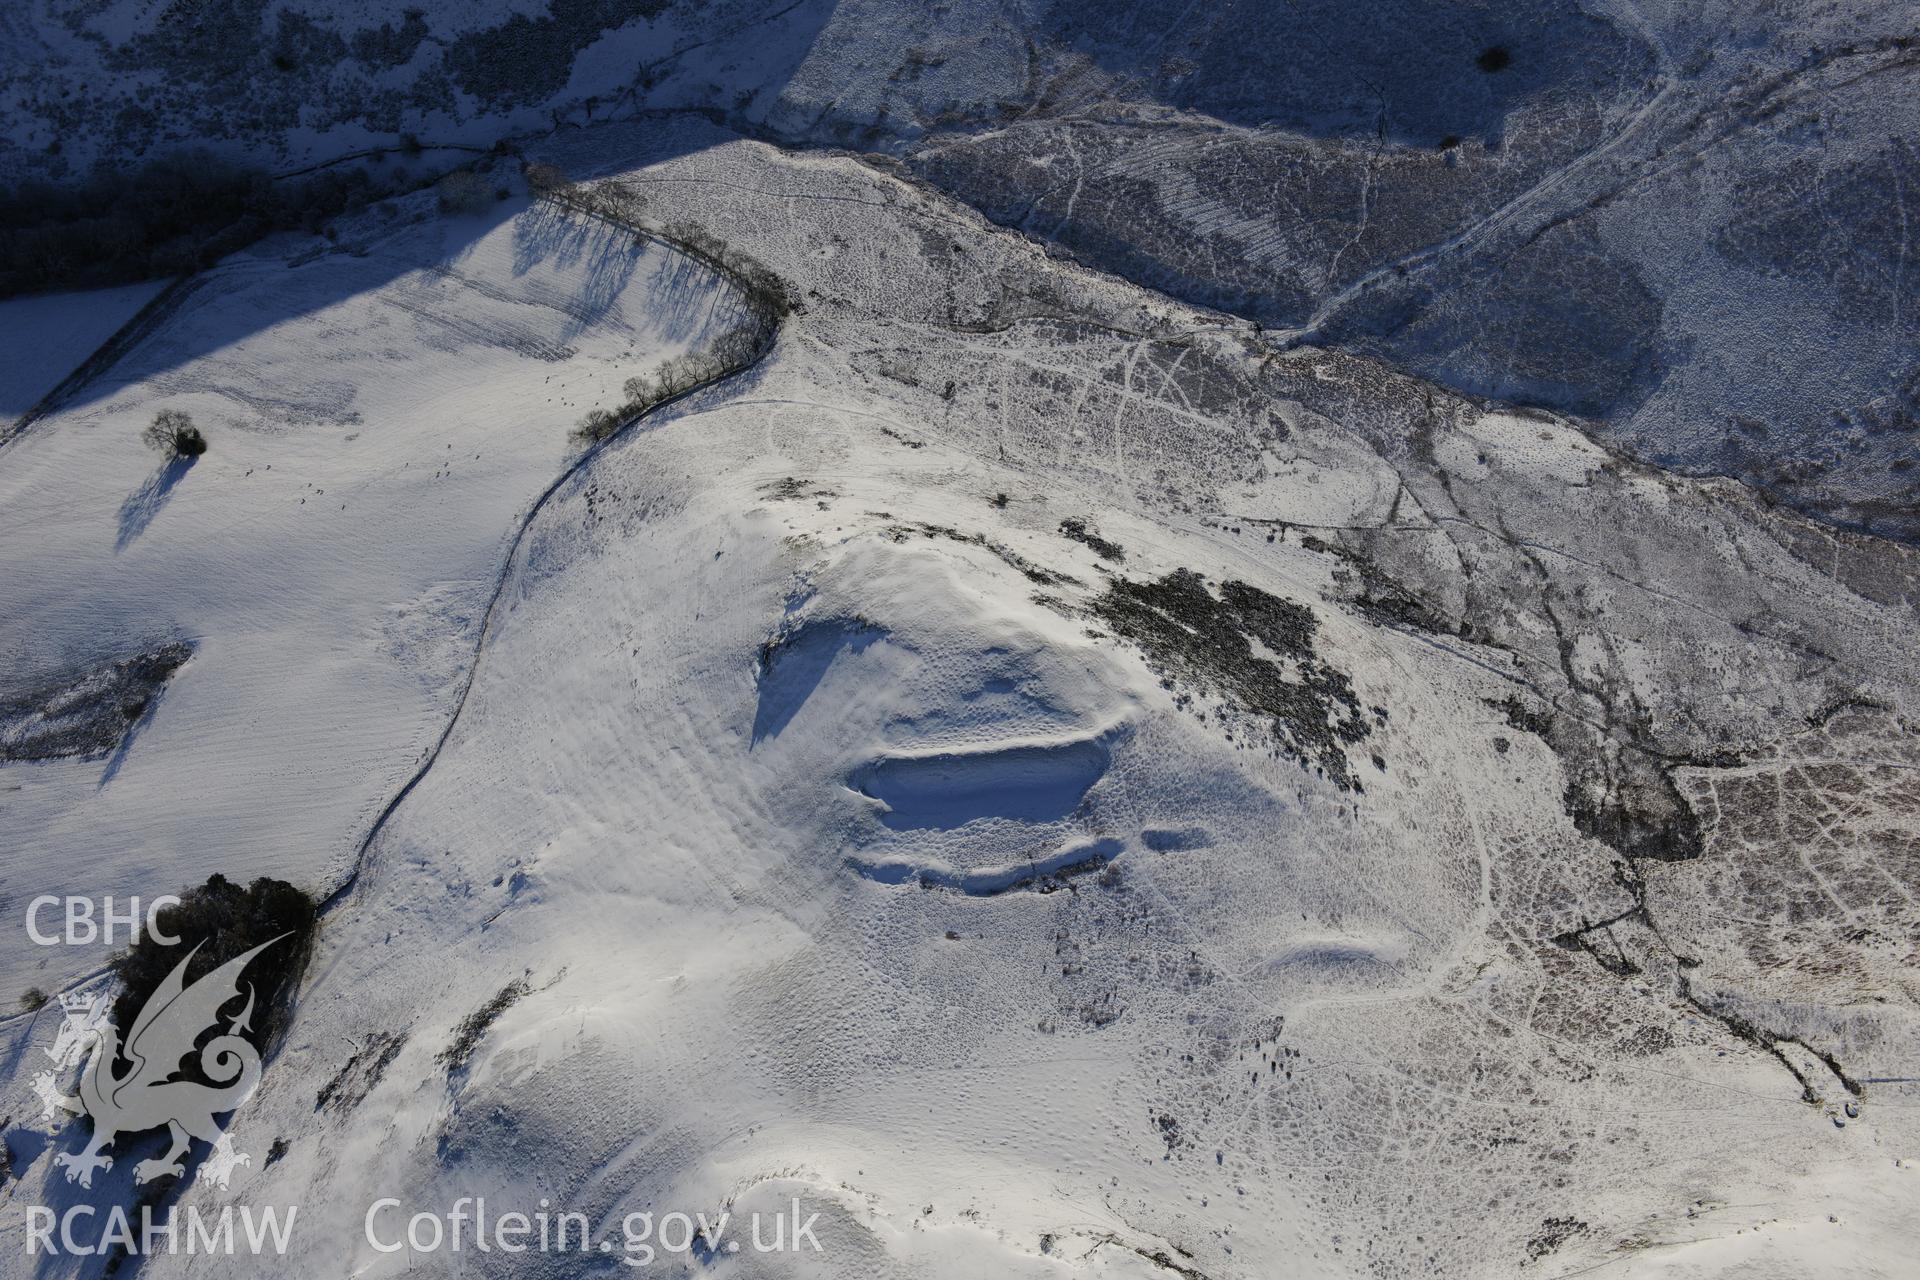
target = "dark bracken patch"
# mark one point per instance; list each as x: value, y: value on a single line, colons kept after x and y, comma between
x: 1188, y: 633
x: 467, y: 1037
x: 1554, y: 1232
x: 526, y: 58
x: 1033, y: 572
x: 1620, y: 789
x: 362, y: 1073
x: 792, y: 489
x: 1102, y: 547
x: 88, y: 713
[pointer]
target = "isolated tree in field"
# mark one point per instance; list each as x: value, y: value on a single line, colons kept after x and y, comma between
x: 173, y: 433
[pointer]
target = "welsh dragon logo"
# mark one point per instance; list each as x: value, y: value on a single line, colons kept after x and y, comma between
x: 146, y: 1096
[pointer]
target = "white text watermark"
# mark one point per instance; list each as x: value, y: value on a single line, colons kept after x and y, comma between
x: 639, y: 1238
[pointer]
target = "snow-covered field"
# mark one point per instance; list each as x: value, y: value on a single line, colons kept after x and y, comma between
x: 380, y: 419
x: 1026, y: 770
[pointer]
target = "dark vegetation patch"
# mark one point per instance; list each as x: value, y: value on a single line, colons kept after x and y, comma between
x: 1619, y: 787
x: 219, y: 47
x: 1644, y: 1042
x: 391, y: 46
x: 89, y: 713
x: 905, y: 440
x: 224, y: 920
x: 171, y: 216
x: 791, y: 489
x: 1044, y: 577
x: 467, y: 1036
x: 1379, y: 595
x: 361, y: 1074
x: 1167, y: 1262
x: 1554, y: 1232
x: 1078, y: 531
x: 1188, y: 633
x: 466, y: 192
x: 526, y: 59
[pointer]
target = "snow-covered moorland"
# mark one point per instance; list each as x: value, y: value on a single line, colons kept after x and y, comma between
x: 1026, y: 770
x: 380, y: 418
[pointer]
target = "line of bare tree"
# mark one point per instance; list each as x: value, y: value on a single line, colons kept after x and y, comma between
x: 769, y: 298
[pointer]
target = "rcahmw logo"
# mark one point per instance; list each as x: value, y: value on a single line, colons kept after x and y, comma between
x: 83, y: 1231
x: 147, y: 1095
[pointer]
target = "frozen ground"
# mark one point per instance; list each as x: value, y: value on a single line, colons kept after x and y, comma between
x: 1059, y: 784
x: 1689, y: 223
x: 380, y: 416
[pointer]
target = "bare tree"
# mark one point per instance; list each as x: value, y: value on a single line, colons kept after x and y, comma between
x: 173, y: 433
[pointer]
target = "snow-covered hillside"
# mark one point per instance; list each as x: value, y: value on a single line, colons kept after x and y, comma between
x: 1687, y: 223
x: 1029, y: 770
x: 381, y: 415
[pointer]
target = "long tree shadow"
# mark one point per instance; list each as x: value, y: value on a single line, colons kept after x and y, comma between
x: 606, y: 256
x: 144, y: 503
